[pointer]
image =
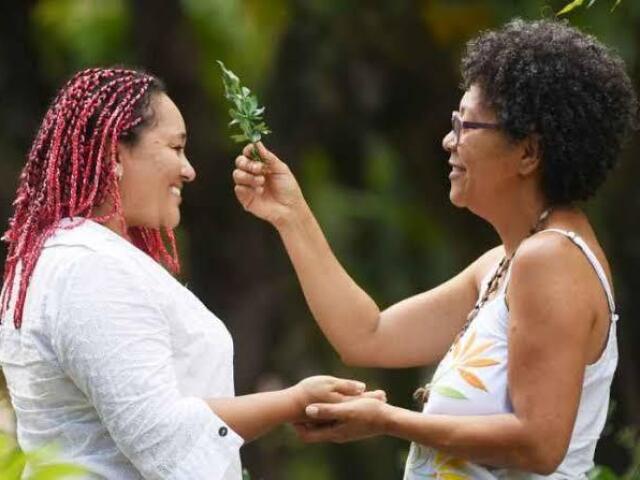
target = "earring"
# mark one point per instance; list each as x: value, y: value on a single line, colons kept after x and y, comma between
x: 119, y: 171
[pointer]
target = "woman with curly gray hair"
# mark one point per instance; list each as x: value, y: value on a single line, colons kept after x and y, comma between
x: 525, y: 336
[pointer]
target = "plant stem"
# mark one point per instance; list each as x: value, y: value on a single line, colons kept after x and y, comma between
x: 255, y: 155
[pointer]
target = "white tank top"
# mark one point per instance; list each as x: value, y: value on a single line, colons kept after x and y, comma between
x: 472, y: 380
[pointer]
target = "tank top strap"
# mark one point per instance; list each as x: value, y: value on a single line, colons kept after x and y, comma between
x: 593, y: 260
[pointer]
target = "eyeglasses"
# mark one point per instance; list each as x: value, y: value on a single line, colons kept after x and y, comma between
x: 457, y: 125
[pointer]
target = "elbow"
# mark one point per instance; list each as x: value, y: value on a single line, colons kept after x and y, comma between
x: 355, y: 358
x: 543, y: 456
x: 361, y: 352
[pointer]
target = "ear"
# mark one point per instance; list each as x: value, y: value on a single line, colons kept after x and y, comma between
x: 123, y: 152
x: 531, y: 155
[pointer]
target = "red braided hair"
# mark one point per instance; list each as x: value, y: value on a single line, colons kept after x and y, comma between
x: 71, y: 169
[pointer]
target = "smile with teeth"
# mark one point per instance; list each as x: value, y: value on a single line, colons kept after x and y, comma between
x: 176, y: 191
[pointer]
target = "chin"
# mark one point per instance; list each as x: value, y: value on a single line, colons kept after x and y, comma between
x: 172, y: 222
x: 457, y: 199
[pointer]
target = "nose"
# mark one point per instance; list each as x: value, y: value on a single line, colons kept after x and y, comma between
x: 449, y: 141
x: 188, y: 173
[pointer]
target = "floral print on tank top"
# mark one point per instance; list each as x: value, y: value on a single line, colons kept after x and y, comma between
x: 467, y: 358
x: 433, y: 464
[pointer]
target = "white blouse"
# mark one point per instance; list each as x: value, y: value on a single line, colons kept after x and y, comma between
x: 113, y: 361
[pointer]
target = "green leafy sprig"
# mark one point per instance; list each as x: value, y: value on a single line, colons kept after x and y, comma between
x: 245, y: 111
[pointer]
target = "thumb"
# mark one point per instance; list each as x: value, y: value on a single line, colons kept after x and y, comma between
x: 270, y: 159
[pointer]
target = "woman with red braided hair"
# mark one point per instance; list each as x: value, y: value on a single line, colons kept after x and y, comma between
x: 104, y: 352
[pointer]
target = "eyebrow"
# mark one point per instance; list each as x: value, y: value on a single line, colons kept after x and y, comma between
x: 182, y: 137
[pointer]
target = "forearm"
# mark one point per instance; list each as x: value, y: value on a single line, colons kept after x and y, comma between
x: 345, y: 313
x: 251, y: 416
x: 496, y: 440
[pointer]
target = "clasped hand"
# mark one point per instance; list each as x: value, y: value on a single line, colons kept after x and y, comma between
x: 340, y: 411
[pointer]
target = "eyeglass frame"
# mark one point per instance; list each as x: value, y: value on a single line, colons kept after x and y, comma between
x: 455, y: 115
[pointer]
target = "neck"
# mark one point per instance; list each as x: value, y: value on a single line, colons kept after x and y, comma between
x: 514, y: 220
x: 113, y: 223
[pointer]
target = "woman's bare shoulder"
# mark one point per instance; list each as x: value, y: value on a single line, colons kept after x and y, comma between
x: 486, y: 262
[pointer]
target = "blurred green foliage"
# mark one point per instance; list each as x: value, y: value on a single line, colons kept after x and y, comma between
x: 42, y: 464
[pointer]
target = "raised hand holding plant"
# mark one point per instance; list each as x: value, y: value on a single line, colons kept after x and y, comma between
x: 245, y: 111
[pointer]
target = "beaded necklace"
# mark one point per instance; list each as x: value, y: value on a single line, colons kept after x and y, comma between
x: 422, y: 394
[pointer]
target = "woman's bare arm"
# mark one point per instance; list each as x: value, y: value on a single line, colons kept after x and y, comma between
x: 551, y: 321
x: 414, y: 332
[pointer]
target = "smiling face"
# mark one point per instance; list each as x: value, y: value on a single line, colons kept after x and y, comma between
x: 486, y: 166
x: 155, y: 168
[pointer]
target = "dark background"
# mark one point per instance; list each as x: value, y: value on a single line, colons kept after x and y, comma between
x: 358, y: 95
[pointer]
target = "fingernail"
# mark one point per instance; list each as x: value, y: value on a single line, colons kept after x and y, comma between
x: 361, y: 386
x: 311, y: 411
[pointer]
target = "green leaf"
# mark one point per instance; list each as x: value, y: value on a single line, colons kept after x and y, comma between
x: 246, y: 113
x: 449, y: 392
x: 567, y: 8
x: 241, y: 138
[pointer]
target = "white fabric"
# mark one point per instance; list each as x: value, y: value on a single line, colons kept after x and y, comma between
x: 472, y: 380
x: 113, y: 361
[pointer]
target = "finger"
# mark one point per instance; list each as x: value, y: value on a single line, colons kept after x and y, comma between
x: 376, y: 394
x: 247, y: 151
x: 245, y: 195
x: 313, y: 425
x: 251, y: 166
x: 271, y: 160
x: 240, y: 177
x: 349, y: 387
x: 325, y: 411
x: 242, y: 162
x: 315, y: 434
x: 300, y: 428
